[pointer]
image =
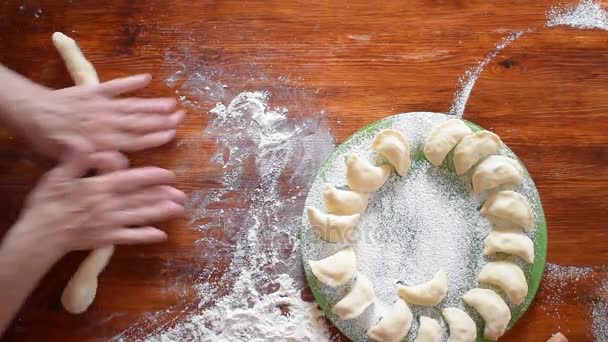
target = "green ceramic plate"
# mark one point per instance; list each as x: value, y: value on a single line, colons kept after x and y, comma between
x: 416, y: 127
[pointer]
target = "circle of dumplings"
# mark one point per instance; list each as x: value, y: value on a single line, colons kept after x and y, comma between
x: 470, y: 152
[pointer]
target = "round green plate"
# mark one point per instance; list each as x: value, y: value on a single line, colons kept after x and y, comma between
x: 310, y: 244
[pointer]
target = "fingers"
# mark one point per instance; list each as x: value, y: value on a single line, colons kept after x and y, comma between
x: 137, y: 105
x: 148, y: 196
x: 144, y: 123
x: 150, y: 140
x: 156, y: 212
x: 70, y: 144
x: 124, y: 85
x: 132, y: 236
x: 133, y: 179
x: 106, y: 162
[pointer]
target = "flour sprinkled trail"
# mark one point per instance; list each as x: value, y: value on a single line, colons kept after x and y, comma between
x: 468, y: 80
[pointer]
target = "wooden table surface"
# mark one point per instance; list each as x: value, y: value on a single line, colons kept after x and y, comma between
x: 546, y: 95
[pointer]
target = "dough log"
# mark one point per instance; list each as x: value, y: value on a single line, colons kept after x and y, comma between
x: 82, y: 287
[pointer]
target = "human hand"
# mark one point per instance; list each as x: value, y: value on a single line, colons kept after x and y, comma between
x: 66, y: 212
x: 94, y: 118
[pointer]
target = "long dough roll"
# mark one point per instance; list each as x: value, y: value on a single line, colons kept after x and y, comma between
x: 80, y: 291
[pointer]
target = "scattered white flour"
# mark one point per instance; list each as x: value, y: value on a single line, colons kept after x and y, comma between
x: 587, y: 14
x: 599, y: 313
x: 563, y: 283
x: 467, y: 81
x: 267, y: 160
x: 248, y: 209
x: 260, y: 321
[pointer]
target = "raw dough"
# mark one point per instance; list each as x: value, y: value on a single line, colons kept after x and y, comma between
x: 461, y: 325
x: 443, y: 138
x: 492, y: 308
x: 357, y: 300
x: 495, y: 171
x: 508, y: 277
x: 80, y: 291
x: 344, y: 202
x: 362, y: 176
x: 329, y: 227
x: 394, y: 147
x: 473, y: 148
x: 429, y: 330
x: 429, y: 293
x: 395, y: 325
x: 509, y: 242
x: 336, y: 269
x: 511, y: 207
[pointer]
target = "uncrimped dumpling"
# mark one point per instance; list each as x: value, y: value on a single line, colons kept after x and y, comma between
x: 495, y: 171
x: 511, y: 207
x: 329, y: 227
x: 344, y: 202
x: 492, y: 308
x: 508, y: 277
x: 509, y: 242
x: 362, y: 176
x: 337, y: 269
x: 443, y: 138
x: 429, y: 293
x: 473, y: 148
x: 461, y: 325
x: 395, y: 325
x: 357, y: 300
x: 394, y: 147
x: 429, y: 330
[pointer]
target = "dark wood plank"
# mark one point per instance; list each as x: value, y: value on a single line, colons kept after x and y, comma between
x: 358, y: 61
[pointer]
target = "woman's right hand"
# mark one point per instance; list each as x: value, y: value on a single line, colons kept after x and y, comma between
x: 66, y: 212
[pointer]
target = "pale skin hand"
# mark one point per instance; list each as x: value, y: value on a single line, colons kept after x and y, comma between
x: 92, y: 117
x: 66, y: 212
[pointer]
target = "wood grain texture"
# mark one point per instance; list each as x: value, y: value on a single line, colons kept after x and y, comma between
x: 546, y: 95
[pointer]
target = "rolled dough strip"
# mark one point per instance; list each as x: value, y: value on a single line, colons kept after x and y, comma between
x: 82, y: 287
x: 80, y: 291
x: 80, y: 69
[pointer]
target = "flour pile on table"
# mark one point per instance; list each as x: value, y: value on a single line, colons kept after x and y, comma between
x: 251, y: 219
x: 587, y: 14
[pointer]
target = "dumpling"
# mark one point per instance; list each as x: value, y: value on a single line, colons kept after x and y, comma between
x: 557, y: 337
x: 429, y: 330
x: 492, y: 308
x: 473, y: 148
x: 509, y: 242
x: 511, y: 207
x: 443, y: 138
x: 357, y: 300
x: 344, y: 202
x: 461, y: 325
x: 336, y: 269
x: 329, y: 227
x: 362, y: 176
x: 508, y: 277
x: 395, y: 325
x: 495, y: 171
x: 429, y: 293
x: 394, y: 147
